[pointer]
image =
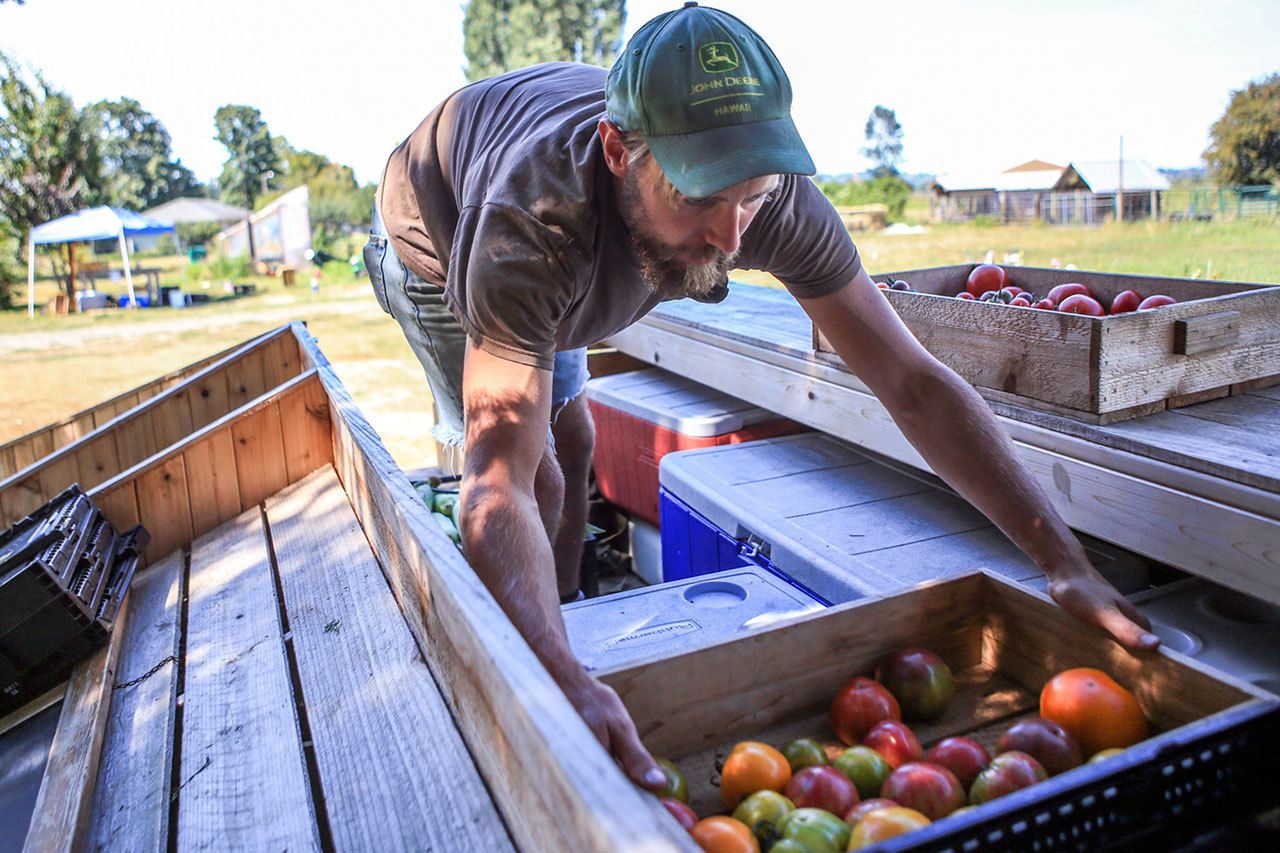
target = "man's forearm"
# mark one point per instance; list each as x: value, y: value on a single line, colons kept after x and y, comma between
x: 506, y: 543
x: 957, y: 434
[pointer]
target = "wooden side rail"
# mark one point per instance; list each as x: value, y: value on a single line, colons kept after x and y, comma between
x: 155, y: 424
x: 25, y: 450
x: 556, y: 786
x: 217, y: 472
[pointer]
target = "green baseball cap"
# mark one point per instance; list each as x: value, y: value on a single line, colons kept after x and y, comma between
x: 710, y: 100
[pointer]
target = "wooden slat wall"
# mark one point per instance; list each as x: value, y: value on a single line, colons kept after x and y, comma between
x: 556, y: 787
x: 218, y: 472
x: 82, y: 423
x: 161, y: 421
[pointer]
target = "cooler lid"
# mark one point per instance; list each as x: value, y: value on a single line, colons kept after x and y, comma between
x: 675, y: 403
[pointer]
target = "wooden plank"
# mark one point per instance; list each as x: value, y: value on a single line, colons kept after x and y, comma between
x: 245, y: 379
x: 135, y: 439
x: 394, y: 769
x: 23, y: 454
x: 98, y: 460
x: 1259, y: 386
x: 556, y: 787
x: 281, y: 361
x: 259, y: 452
x: 42, y: 444
x: 208, y: 398
x: 1251, y: 412
x: 60, y: 820
x: 304, y: 421
x: 242, y: 781
x: 212, y: 485
x: 172, y: 418
x: 8, y: 461
x: 119, y: 504
x: 21, y: 497
x: 164, y: 508
x: 131, y: 798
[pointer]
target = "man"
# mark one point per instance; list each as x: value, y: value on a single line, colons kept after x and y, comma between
x: 537, y: 212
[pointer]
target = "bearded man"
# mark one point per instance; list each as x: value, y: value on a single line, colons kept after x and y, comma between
x: 535, y: 213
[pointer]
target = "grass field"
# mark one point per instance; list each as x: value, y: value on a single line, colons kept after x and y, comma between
x: 53, y: 366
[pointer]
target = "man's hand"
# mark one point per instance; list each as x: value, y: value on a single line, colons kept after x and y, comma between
x: 609, y: 721
x: 956, y: 433
x: 1087, y: 596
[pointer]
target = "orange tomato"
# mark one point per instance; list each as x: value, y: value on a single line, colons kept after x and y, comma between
x: 1090, y: 705
x: 884, y: 823
x: 750, y: 767
x: 722, y: 834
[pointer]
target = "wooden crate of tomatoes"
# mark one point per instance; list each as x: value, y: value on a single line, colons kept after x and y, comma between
x: 943, y: 714
x: 1099, y: 347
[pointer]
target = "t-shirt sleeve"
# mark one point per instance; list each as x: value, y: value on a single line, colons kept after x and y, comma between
x: 799, y: 237
x: 510, y: 285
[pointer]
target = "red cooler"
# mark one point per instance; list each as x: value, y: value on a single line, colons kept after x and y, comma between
x: 643, y: 415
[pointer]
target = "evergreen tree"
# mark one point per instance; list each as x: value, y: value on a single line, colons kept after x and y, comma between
x: 884, y: 142
x: 501, y: 35
x: 1245, y: 143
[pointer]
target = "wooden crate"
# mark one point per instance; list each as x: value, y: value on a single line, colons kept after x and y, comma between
x: 1002, y: 641
x: 1221, y: 338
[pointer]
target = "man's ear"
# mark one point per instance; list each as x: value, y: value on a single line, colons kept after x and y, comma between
x: 615, y: 153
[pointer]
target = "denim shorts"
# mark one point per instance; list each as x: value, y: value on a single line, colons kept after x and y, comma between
x: 439, y: 341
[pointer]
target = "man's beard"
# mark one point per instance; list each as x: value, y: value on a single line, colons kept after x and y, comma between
x: 665, y: 274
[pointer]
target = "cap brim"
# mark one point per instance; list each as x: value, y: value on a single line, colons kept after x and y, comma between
x: 702, y: 164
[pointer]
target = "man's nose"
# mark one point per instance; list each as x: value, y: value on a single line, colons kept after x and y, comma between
x: 724, y: 229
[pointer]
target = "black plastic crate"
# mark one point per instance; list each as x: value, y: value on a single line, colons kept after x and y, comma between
x: 1159, y: 794
x: 63, y: 572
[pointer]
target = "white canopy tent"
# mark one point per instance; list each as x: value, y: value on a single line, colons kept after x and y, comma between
x: 95, y: 223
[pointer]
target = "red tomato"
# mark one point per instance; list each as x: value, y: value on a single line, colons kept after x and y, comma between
x: 964, y: 294
x: 822, y: 788
x: 1014, y: 289
x: 895, y: 741
x: 1046, y: 304
x: 1062, y: 291
x: 1158, y: 301
x: 1021, y: 301
x: 1125, y: 302
x: 1081, y: 304
x: 859, y: 706
x: 985, y: 277
x: 684, y: 815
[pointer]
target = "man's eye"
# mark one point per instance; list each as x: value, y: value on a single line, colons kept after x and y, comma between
x: 695, y: 202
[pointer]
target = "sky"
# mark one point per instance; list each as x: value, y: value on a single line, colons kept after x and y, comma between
x: 978, y: 86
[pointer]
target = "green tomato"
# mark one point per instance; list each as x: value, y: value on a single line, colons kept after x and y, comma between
x: 866, y: 769
x: 761, y: 811
x: 676, y: 787
x: 818, y: 831
x: 805, y: 752
x: 786, y: 845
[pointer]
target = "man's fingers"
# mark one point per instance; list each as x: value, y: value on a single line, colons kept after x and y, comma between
x: 1128, y: 632
x: 625, y: 744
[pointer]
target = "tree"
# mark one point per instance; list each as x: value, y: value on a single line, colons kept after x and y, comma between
x: 49, y: 162
x: 884, y: 142
x: 1245, y: 142
x: 254, y: 160
x: 138, y: 167
x: 501, y: 35
x: 337, y: 199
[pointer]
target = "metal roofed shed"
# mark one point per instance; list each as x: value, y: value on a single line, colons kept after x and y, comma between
x: 180, y: 211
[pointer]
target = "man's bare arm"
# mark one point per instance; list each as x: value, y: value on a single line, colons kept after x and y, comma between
x: 954, y: 430
x: 507, y: 410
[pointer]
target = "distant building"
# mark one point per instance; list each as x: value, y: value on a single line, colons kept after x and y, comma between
x: 1080, y: 192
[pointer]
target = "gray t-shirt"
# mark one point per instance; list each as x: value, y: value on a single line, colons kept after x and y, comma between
x: 502, y: 196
